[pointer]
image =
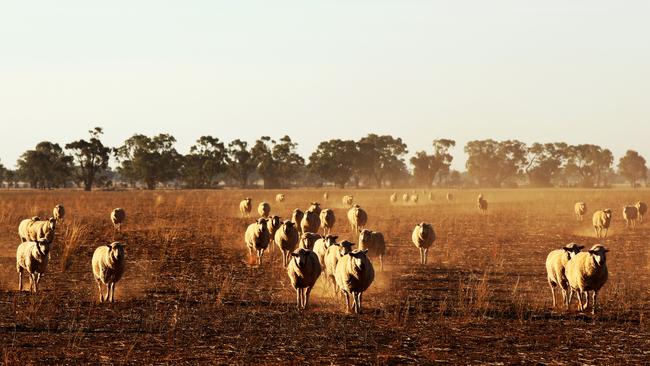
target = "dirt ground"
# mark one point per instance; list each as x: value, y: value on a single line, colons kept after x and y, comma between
x: 190, y: 296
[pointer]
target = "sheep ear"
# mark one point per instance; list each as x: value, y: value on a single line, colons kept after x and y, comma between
x: 606, y: 250
x: 365, y: 251
x: 581, y: 247
x: 295, y: 254
x: 335, y: 237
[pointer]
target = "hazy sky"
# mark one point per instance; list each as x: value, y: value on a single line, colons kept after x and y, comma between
x: 575, y: 71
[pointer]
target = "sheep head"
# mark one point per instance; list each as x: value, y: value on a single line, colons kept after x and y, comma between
x: 597, y: 252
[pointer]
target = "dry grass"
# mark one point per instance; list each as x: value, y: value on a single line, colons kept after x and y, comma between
x: 189, y: 296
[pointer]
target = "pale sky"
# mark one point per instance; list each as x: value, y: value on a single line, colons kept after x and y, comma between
x: 554, y: 70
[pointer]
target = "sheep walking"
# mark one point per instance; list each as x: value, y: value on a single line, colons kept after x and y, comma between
x: 354, y: 274
x: 314, y: 206
x: 308, y: 240
x: 347, y: 200
x: 580, y: 209
x: 118, y: 216
x: 296, y: 217
x: 587, y: 272
x: 245, y: 207
x: 257, y: 238
x: 35, y: 229
x: 303, y: 271
x: 273, y: 225
x: 326, y: 196
x: 264, y: 209
x: 58, y: 212
x: 334, y: 252
x: 555, y: 270
x: 405, y: 197
x: 279, y: 197
x: 322, y: 245
x: 415, y: 198
x: 108, y: 267
x: 310, y: 222
x: 423, y: 237
x: 601, y: 221
x: 358, y: 218
x: 450, y: 197
x: 393, y: 198
x: 327, y: 220
x: 286, y: 238
x: 642, y: 207
x: 630, y: 215
x: 375, y: 243
x: 32, y: 256
x: 482, y: 204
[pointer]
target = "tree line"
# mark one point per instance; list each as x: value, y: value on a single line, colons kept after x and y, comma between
x: 372, y: 161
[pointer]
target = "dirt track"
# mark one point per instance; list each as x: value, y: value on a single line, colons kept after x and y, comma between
x: 190, y: 297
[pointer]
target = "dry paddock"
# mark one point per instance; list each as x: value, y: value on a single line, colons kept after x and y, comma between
x: 190, y: 296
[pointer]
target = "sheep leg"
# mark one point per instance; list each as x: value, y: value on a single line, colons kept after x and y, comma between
x: 285, y: 253
x: 606, y: 230
x: 307, y: 292
x: 108, y: 289
x: 570, y: 295
x: 593, y: 300
x: 381, y: 263
x: 579, y: 293
x: 552, y: 293
x: 426, y: 250
x: 112, y: 291
x: 259, y: 256
x: 250, y: 254
x: 347, y: 301
x: 298, y: 297
x: 99, y: 289
x: 20, y: 279
x: 359, y: 295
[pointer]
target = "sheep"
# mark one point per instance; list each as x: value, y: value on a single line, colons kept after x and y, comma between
x: 348, y: 200
x: 555, y: 264
x: 334, y: 252
x: 375, y: 243
x: 601, y: 220
x: 322, y: 245
x: 630, y: 215
x: 580, y: 209
x: 587, y: 271
x: 245, y: 207
x: 482, y: 204
x: 118, y: 216
x: 286, y: 238
x: 58, y: 213
x: 310, y: 222
x: 354, y: 274
x: 273, y: 225
x: 357, y: 218
x: 108, y: 265
x: 415, y: 198
x: 326, y: 196
x: 423, y: 237
x: 308, y: 240
x: 430, y: 196
x: 32, y: 256
x: 296, y: 217
x: 450, y: 197
x: 405, y: 197
x: 393, y: 198
x: 303, y: 271
x: 279, y: 197
x: 314, y: 206
x: 642, y: 207
x: 264, y: 209
x: 327, y: 220
x: 257, y: 237
x: 35, y: 229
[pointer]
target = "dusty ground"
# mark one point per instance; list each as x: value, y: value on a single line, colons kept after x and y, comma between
x: 189, y: 295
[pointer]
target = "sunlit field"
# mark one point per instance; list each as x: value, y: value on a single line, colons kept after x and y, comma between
x: 190, y: 294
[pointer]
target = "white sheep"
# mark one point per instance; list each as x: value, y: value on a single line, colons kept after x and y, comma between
x: 245, y: 207
x: 314, y: 206
x: 354, y: 274
x: 423, y: 237
x: 108, y: 265
x: 580, y: 209
x: 326, y: 196
x: 630, y: 215
x: 118, y: 216
x: 393, y: 198
x: 334, y: 252
x: 415, y: 198
x: 32, y: 256
x: 601, y: 221
x: 450, y: 197
x: 322, y: 245
x: 308, y: 240
x: 264, y: 209
x: 279, y: 197
x: 273, y: 225
x: 35, y: 229
x: 58, y: 213
x: 405, y: 197
x: 296, y: 217
x: 310, y: 222
x: 327, y: 220
x: 286, y: 238
x: 643, y: 208
x: 430, y: 196
x: 482, y: 204
x: 358, y: 218
x: 587, y: 271
x: 375, y: 243
x: 348, y: 200
x: 257, y: 238
x: 303, y: 271
x: 555, y: 264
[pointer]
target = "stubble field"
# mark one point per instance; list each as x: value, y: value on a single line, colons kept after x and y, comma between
x: 190, y: 296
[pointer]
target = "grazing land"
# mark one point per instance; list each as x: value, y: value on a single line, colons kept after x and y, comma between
x: 190, y: 294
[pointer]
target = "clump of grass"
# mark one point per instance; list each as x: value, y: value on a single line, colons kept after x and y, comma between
x: 72, y: 236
